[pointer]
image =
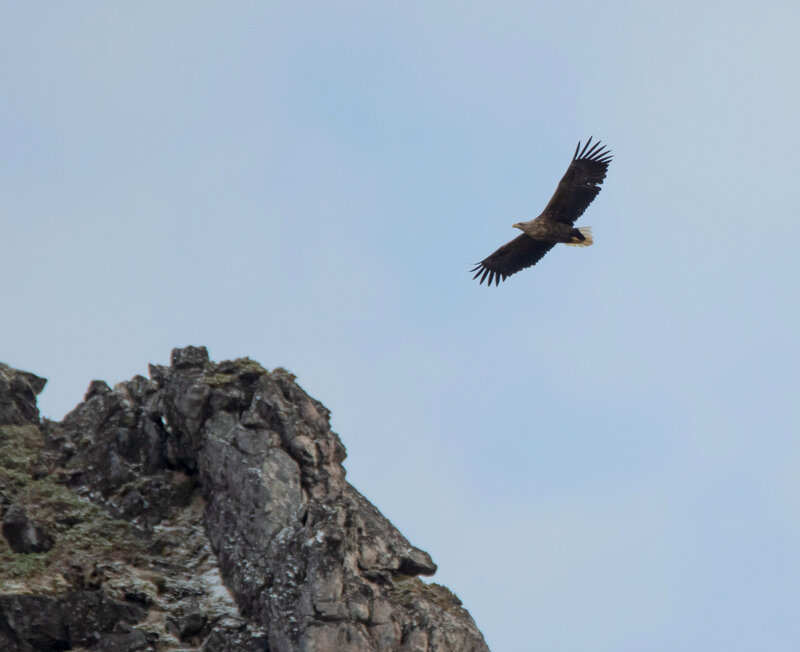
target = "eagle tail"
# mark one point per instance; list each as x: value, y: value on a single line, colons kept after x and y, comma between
x: 581, y: 237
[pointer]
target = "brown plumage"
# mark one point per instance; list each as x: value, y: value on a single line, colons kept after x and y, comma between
x: 576, y: 190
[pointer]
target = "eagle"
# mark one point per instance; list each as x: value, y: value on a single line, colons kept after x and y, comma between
x: 576, y: 190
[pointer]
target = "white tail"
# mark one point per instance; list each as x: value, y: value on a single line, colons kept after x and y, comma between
x: 586, y: 232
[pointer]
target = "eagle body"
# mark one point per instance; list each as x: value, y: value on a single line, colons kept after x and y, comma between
x: 546, y: 230
x: 576, y: 190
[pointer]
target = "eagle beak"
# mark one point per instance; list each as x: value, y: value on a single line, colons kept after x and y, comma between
x: 518, y: 225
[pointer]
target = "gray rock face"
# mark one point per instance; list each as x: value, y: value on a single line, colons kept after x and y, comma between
x: 21, y: 534
x: 204, y: 508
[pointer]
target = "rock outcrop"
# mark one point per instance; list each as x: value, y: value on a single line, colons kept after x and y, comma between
x: 204, y: 508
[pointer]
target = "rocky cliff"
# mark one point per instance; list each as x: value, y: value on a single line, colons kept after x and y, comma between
x: 204, y: 508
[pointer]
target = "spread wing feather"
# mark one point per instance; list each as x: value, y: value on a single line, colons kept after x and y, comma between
x: 523, y: 251
x: 580, y: 183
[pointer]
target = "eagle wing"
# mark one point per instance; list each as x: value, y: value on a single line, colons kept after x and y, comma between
x: 580, y: 183
x: 523, y: 251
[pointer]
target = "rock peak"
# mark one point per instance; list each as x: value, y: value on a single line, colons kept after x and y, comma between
x: 203, y: 508
x: 18, y: 391
x: 189, y: 357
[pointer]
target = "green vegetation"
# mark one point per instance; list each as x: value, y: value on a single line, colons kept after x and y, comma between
x: 84, y: 534
x: 20, y: 447
x: 406, y: 589
x: 228, y: 372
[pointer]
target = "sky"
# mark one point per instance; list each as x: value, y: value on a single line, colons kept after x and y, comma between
x: 602, y: 453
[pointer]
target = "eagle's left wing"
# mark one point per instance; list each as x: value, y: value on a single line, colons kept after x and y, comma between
x: 523, y: 251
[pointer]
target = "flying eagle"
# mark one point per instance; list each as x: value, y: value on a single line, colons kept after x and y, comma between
x: 576, y: 190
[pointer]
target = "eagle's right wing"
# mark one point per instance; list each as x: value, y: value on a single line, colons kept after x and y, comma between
x: 580, y: 183
x: 523, y: 251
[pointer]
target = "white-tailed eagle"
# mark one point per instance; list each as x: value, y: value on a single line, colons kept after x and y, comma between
x: 576, y: 190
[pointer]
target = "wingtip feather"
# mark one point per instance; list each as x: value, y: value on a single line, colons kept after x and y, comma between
x: 594, y: 151
x: 586, y: 146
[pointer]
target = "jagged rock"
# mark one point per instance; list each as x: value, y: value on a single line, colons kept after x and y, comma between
x: 22, y: 534
x: 18, y: 391
x: 75, y: 618
x: 204, y: 508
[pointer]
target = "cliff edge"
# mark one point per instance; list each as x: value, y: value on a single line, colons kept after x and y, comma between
x: 204, y: 508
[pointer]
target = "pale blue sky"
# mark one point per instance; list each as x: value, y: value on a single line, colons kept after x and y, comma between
x: 601, y: 454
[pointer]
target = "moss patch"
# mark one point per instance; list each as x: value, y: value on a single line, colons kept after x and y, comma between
x: 406, y: 590
x: 84, y: 533
x: 20, y: 447
x: 231, y: 371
